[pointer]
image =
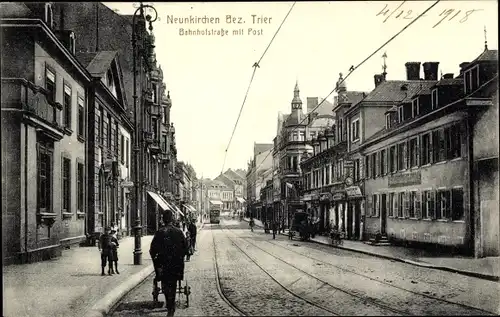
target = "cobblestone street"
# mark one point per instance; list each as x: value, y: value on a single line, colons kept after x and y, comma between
x: 262, y: 276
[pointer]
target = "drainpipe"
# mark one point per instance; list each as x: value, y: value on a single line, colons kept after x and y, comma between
x: 26, y: 190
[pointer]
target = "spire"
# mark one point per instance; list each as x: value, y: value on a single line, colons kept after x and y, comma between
x: 485, y: 39
x: 296, y: 102
x: 384, y: 67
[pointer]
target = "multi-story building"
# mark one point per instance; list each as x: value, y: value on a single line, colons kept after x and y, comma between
x: 214, y: 193
x: 261, y: 161
x: 323, y: 168
x: 424, y: 174
x: 234, y: 181
x: 45, y: 96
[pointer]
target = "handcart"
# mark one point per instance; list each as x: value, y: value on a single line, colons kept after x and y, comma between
x: 181, y: 289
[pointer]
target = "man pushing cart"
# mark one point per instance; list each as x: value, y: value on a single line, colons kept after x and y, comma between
x: 168, y: 250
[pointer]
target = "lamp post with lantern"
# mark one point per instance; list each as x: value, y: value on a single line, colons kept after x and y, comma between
x: 142, y: 47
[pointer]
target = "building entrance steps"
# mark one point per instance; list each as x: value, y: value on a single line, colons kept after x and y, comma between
x: 485, y: 268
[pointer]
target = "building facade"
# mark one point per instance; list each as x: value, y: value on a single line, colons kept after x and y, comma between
x: 45, y: 96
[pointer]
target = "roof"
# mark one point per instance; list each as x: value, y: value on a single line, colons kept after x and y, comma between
x: 101, y: 63
x: 85, y: 57
x: 242, y: 173
x: 352, y: 97
x: 423, y: 89
x: 487, y: 56
x: 325, y: 107
x: 321, y: 121
x: 230, y: 174
x: 450, y: 82
x: 259, y: 148
x: 396, y: 90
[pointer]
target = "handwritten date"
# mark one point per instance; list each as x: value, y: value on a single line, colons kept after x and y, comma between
x: 399, y: 13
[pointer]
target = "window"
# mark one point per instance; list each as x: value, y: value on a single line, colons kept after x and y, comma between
x: 44, y: 171
x: 50, y: 83
x: 122, y: 145
x: 401, y: 204
x: 388, y: 121
x: 80, y: 183
x: 81, y: 117
x: 383, y: 162
x: 376, y: 206
x: 471, y: 81
x: 49, y: 18
x: 408, y: 111
x: 438, y: 146
x: 400, y: 114
x: 388, y: 204
x: 66, y: 185
x: 415, y: 107
x: 154, y: 90
x: 393, y: 155
x: 401, y: 156
x: 412, y: 196
x: 111, y: 82
x: 327, y: 175
x: 434, y: 98
x: 373, y: 165
x: 355, y: 130
x: 453, y: 141
x: 357, y: 171
x: 117, y: 130
x: 109, y: 133
x: 302, y: 136
x: 101, y: 126
x: 367, y: 167
x: 67, y: 107
x: 72, y: 43
x: 457, y: 204
x: 413, y: 152
x: 341, y: 134
x: 426, y: 149
x: 395, y: 204
x: 443, y: 204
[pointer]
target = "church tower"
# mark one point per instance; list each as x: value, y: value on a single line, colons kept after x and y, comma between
x: 296, y: 103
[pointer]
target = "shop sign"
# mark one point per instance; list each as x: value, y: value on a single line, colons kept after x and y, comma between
x: 338, y: 196
x: 307, y: 197
x: 325, y: 196
x: 406, y: 179
x: 353, y: 191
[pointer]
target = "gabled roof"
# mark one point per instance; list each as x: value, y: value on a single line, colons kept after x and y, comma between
x: 395, y: 90
x: 101, y: 63
x: 487, y: 56
x: 325, y: 107
x: 259, y: 148
x: 424, y: 89
x: 232, y: 175
x: 224, y: 179
x: 450, y: 82
x: 242, y: 173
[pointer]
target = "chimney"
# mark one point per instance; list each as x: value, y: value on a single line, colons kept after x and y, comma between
x: 430, y: 70
x: 379, y: 78
x: 448, y: 76
x: 412, y: 70
x: 312, y: 102
x: 463, y: 66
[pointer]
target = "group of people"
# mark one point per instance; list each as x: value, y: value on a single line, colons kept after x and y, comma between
x: 108, y: 246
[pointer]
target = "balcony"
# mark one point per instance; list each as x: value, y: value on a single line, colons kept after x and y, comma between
x: 35, y: 104
x: 154, y: 147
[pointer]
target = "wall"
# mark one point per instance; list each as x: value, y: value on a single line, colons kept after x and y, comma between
x: 17, y: 56
x: 125, y: 168
x: 72, y: 226
x: 372, y: 120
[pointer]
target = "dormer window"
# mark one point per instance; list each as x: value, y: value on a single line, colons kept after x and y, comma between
x: 400, y: 114
x: 434, y: 98
x: 49, y: 17
x: 415, y: 107
x: 71, y: 43
x: 355, y: 130
x: 471, y: 79
x: 110, y: 82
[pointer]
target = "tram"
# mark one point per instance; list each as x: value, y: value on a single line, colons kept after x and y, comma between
x: 215, y: 215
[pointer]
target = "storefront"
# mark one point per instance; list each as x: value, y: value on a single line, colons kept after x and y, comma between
x: 324, y: 211
x: 354, y: 213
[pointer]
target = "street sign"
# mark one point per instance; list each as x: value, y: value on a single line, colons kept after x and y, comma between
x: 127, y: 184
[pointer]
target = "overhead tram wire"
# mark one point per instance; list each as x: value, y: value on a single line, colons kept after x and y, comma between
x: 254, y: 66
x: 352, y: 69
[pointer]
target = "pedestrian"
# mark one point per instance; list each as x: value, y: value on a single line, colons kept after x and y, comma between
x: 193, y: 230
x: 275, y: 229
x: 114, y: 249
x: 105, y: 247
x: 168, y: 249
x: 189, y: 250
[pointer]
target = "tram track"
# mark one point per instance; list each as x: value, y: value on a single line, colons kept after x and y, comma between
x: 363, y: 299
x: 380, y: 281
x: 302, y: 298
x: 218, y: 280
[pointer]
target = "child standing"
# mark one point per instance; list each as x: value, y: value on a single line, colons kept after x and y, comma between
x: 106, y: 248
x: 114, y: 246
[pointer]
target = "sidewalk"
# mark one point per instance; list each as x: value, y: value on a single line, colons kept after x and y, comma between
x: 72, y: 284
x: 485, y: 268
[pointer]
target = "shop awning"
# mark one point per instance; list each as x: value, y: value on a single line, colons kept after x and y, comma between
x: 216, y: 202
x: 241, y: 200
x: 159, y: 200
x: 178, y: 210
x: 190, y: 208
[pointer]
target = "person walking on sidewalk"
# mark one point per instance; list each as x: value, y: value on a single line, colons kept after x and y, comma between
x: 275, y: 228
x: 106, y: 248
x: 193, y: 230
x: 168, y: 249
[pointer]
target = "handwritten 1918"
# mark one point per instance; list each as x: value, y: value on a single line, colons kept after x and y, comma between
x: 399, y: 13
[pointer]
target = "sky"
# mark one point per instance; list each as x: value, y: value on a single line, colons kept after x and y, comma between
x: 208, y: 75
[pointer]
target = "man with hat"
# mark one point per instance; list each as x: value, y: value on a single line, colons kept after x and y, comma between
x: 105, y: 246
x: 167, y: 250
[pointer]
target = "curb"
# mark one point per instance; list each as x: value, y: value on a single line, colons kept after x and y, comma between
x: 103, y: 306
x: 483, y: 276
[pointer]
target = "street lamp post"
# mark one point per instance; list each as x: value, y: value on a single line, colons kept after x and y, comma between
x: 138, y: 140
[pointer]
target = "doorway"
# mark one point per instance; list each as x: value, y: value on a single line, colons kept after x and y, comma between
x: 383, y: 214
